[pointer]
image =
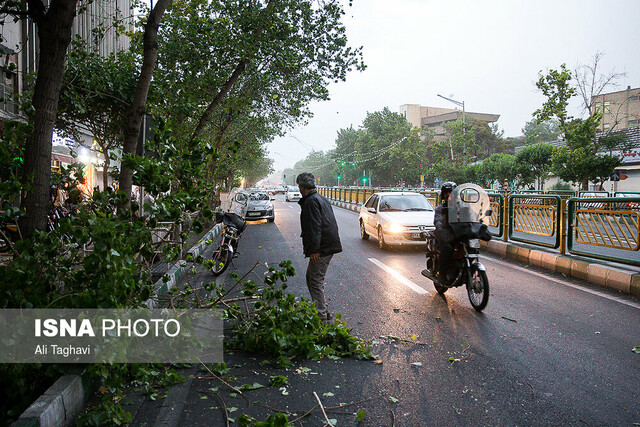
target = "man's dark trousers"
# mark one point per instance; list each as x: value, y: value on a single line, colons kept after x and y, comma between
x: 315, y: 283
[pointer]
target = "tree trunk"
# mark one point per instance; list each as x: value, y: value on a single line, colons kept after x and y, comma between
x: 585, y: 184
x: 150, y: 57
x: 206, y: 116
x: 242, y: 65
x: 229, y: 179
x: 105, y: 168
x: 54, y: 36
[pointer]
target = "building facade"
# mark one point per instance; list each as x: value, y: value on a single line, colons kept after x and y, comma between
x: 620, y: 110
x: 434, y: 118
x: 626, y: 177
x: 97, y: 24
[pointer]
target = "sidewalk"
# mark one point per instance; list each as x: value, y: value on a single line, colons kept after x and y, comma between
x: 66, y: 398
x: 615, y: 276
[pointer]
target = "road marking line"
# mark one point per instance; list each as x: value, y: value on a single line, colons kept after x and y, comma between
x: 399, y: 277
x: 560, y: 282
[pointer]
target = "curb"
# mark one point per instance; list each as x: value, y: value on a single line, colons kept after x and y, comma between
x: 172, y: 277
x: 345, y: 205
x: 591, y: 271
x: 60, y: 403
x: 64, y: 400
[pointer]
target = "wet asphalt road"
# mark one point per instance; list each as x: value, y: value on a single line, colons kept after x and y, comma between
x: 547, y: 350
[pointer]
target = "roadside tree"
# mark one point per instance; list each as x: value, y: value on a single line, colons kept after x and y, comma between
x: 546, y: 131
x: 533, y: 164
x: 96, y: 95
x: 497, y: 167
x: 582, y: 159
x: 53, y: 23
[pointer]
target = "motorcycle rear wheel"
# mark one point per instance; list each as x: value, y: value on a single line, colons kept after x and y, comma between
x: 4, y: 245
x: 478, y: 289
x: 221, y: 260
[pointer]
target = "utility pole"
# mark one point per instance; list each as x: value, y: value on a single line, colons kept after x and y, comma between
x: 459, y: 104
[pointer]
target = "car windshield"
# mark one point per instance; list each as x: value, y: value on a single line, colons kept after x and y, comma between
x: 259, y: 196
x: 404, y: 203
x: 293, y: 189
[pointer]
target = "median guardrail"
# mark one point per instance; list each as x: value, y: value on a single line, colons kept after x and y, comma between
x: 496, y: 220
x: 605, y: 228
x: 535, y: 219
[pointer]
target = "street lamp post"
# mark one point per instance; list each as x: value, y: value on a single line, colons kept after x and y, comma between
x: 459, y: 104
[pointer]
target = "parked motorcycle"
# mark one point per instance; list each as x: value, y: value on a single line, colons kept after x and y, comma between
x: 468, y: 206
x: 9, y: 227
x: 233, y: 226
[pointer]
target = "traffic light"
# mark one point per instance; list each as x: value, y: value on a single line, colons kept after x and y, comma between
x: 342, y: 164
x: 364, y: 179
x: 339, y: 176
x: 353, y: 164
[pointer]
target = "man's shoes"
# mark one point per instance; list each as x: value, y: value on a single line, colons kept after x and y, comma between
x: 328, y: 318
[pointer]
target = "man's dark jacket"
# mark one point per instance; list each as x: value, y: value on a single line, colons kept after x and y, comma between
x: 319, y: 227
x: 441, y: 221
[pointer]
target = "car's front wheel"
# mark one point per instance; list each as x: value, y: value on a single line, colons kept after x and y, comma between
x: 363, y: 232
x: 381, y: 242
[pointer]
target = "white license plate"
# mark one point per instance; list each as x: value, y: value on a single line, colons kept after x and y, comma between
x: 415, y: 235
x: 254, y: 214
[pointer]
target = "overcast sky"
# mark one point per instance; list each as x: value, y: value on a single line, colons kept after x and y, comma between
x: 486, y: 53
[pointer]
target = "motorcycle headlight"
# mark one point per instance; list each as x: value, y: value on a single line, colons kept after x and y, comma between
x: 396, y: 228
x: 474, y: 243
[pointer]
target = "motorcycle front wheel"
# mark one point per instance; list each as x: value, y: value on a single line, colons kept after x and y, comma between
x: 478, y: 289
x: 221, y: 260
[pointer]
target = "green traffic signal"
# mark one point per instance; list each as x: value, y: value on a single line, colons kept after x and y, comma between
x: 342, y: 164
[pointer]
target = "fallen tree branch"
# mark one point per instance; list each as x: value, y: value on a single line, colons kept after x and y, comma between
x: 220, y: 379
x: 322, y: 408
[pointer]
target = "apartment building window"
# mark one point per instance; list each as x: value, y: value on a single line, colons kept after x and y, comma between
x: 606, y: 126
x: 607, y: 106
x: 633, y: 122
x: 634, y: 98
x: 598, y: 107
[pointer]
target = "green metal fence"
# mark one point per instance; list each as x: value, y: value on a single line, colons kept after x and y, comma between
x: 496, y: 220
x: 605, y: 227
x: 599, y: 227
x: 535, y: 219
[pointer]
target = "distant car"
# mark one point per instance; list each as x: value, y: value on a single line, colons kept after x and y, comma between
x: 260, y: 207
x: 396, y: 218
x: 279, y: 189
x: 630, y: 205
x: 292, y: 194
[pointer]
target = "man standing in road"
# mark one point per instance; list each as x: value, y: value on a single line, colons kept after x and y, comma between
x: 320, y: 239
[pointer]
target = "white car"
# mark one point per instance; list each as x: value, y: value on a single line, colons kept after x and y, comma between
x: 292, y: 194
x: 260, y: 206
x: 396, y: 218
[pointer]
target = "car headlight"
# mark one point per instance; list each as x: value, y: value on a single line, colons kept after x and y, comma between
x: 396, y: 228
